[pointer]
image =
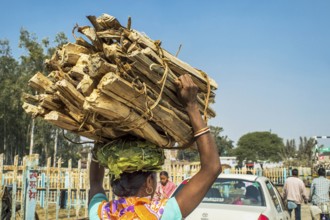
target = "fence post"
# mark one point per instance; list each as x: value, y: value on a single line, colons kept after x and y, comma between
x: 47, y: 186
x: 23, y: 189
x: 89, y: 157
x: 58, y: 185
x: 1, y: 182
x: 175, y: 173
x: 78, y: 189
x: 42, y: 193
x: 31, y: 191
x: 14, y: 190
x: 69, y: 186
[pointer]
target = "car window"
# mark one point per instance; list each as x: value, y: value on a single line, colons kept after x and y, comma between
x: 276, y: 198
x: 233, y: 191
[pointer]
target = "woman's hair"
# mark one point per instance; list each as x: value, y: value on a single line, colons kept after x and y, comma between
x: 129, y: 183
x: 163, y: 173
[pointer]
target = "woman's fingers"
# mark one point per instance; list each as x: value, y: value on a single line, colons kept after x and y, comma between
x: 178, y: 83
x: 185, y: 81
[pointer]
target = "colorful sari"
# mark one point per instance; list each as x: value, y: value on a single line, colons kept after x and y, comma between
x: 132, y: 208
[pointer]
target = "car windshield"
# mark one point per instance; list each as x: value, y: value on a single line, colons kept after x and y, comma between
x: 234, y: 191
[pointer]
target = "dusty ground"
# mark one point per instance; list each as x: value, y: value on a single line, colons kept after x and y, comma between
x: 305, y: 213
x: 63, y: 213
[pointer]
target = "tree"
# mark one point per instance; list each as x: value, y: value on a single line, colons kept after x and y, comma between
x: 305, y: 151
x: 15, y: 124
x: 10, y: 110
x: 289, y: 152
x: 224, y: 144
x: 188, y: 155
x: 32, y: 62
x: 259, y: 146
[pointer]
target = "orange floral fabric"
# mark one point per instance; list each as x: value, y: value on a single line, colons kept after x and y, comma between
x: 132, y: 208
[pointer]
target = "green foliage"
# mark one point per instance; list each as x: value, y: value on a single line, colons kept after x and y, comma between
x: 289, y: 153
x: 68, y: 147
x: 305, y: 150
x: 301, y: 156
x: 188, y: 155
x: 33, y: 61
x: 11, y: 118
x: 130, y: 156
x: 259, y: 146
x: 224, y: 144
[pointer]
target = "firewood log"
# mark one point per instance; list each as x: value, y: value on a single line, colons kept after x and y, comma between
x: 117, y: 81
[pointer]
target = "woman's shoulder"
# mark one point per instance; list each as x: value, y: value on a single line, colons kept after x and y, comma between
x: 172, y: 210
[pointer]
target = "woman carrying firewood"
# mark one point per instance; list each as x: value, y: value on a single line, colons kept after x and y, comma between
x: 133, y: 165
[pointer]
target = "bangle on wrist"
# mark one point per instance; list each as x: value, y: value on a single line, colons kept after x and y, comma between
x: 201, y: 132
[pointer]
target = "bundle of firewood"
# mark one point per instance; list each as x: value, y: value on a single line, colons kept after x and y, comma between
x: 116, y: 83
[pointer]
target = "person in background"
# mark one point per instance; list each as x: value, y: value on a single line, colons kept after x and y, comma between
x: 294, y: 191
x: 165, y: 187
x: 320, y: 188
x: 319, y: 193
x: 135, y: 189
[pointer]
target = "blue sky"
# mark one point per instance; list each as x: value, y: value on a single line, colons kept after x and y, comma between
x: 271, y: 59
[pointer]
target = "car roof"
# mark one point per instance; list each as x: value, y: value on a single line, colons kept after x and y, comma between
x: 247, y: 177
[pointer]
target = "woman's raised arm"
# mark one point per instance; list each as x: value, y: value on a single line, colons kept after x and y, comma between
x: 193, y: 193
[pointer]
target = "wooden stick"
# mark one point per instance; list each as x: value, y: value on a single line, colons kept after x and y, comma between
x: 119, y: 115
x: 61, y: 121
x: 58, y: 186
x: 41, y: 83
x: 146, y: 42
x: 116, y: 87
x: 47, y: 185
x: 69, y: 187
x: 14, y: 190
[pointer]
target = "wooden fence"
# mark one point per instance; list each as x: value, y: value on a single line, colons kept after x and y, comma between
x: 54, y: 186
x: 48, y: 186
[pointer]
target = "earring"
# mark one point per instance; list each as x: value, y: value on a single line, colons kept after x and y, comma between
x: 148, y: 192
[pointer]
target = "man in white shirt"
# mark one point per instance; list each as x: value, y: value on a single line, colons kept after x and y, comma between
x: 294, y: 191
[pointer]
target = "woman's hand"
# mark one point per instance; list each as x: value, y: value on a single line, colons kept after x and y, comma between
x: 187, y: 91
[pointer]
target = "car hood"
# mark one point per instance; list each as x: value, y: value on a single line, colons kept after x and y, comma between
x: 209, y: 211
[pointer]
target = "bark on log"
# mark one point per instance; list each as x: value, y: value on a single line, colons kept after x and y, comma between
x: 62, y: 121
x: 34, y: 110
x: 174, y: 61
x: 41, y: 83
x: 121, y: 116
x: 67, y: 90
x: 116, y: 87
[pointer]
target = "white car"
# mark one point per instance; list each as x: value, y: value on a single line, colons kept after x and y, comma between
x: 242, y: 197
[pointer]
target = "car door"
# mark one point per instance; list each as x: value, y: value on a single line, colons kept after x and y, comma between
x: 279, y: 208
